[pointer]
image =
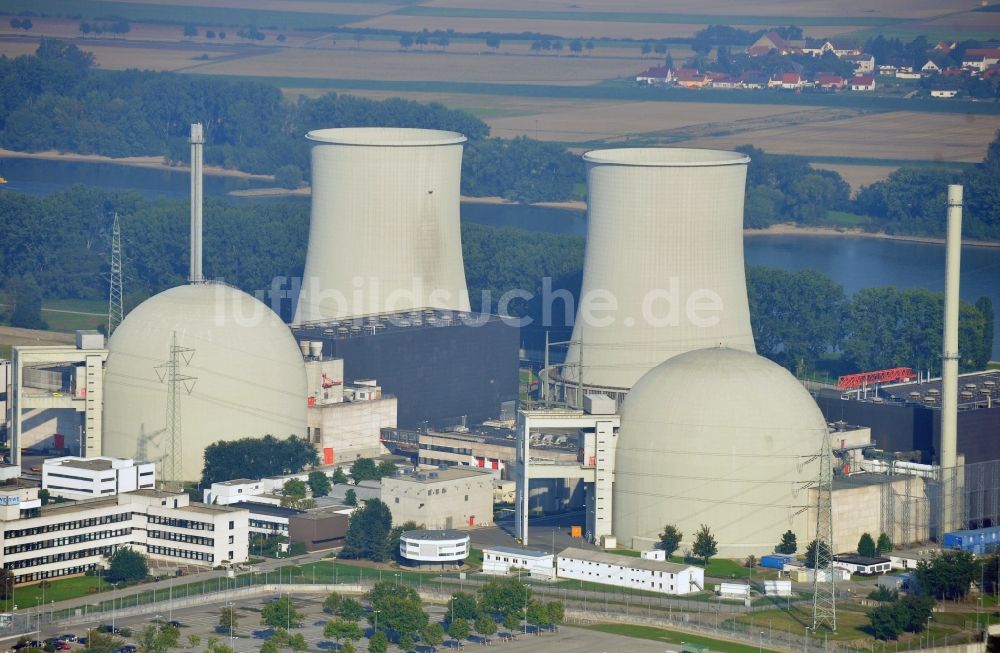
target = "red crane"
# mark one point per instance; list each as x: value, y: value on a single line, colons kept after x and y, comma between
x: 862, y: 379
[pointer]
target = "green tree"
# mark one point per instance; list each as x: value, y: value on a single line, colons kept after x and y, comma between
x: 884, y: 545
x: 866, y: 546
x: 288, y: 176
x: 332, y: 603
x: 319, y: 484
x: 811, y: 553
x: 27, y: 298
x: 485, y: 625
x: 350, y: 609
x: 190, y: 30
x: 339, y: 629
x: 493, y: 42
x: 670, y: 539
x: 44, y: 496
x: 368, y: 532
x: 194, y: 641
x: 228, y: 618
x: 126, y: 565
x: 704, y: 545
x: 294, y: 488
x: 339, y: 477
x: 99, y: 642
x: 406, y: 643
x: 557, y: 612
x: 157, y: 639
x: 270, y: 646
x: 406, y: 41
x: 787, y: 545
x: 378, y: 643
x: 462, y: 605
x: 351, y: 497
x: 297, y: 642
x: 458, y: 629
x: 348, y: 647
x: 364, y: 469
x: 256, y: 458
x: 947, y: 575
x: 399, y: 609
x: 432, y: 635
x: 576, y: 46
x: 504, y: 596
x: 280, y: 613
x: 537, y: 614
x: 512, y: 621
x: 886, y: 622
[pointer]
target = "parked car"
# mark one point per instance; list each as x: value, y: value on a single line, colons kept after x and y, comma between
x: 128, y: 648
x: 83, y: 640
x: 68, y: 637
x: 63, y: 645
x: 175, y: 624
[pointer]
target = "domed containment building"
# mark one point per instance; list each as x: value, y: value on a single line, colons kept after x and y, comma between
x: 248, y: 377
x: 721, y: 437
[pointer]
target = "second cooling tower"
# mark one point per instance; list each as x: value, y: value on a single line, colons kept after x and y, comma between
x: 665, y: 248
x: 384, y: 233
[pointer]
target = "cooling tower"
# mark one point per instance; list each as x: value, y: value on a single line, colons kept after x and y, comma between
x: 665, y: 250
x: 384, y: 232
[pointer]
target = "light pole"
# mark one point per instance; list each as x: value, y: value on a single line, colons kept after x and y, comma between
x: 760, y: 643
x: 377, y: 611
x: 232, y: 609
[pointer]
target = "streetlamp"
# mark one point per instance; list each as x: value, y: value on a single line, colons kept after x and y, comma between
x: 377, y: 611
x: 232, y: 609
x: 760, y: 643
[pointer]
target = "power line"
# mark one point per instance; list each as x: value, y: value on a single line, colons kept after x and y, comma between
x: 116, y: 309
x: 169, y: 372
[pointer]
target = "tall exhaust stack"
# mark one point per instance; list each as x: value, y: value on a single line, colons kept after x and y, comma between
x: 197, y: 144
x: 949, y: 361
x: 665, y: 241
x: 384, y: 233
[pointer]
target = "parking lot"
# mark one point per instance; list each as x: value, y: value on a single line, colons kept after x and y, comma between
x: 250, y: 634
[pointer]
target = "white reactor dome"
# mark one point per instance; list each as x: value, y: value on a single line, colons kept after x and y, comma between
x: 721, y: 437
x: 247, y: 375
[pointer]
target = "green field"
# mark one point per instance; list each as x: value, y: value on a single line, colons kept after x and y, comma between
x: 645, y: 17
x: 68, y: 314
x: 196, y: 14
x: 845, y: 219
x: 58, y: 590
x: 674, y: 637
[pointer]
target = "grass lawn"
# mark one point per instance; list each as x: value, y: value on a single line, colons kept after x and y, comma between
x: 57, y: 590
x: 845, y: 219
x: 673, y: 637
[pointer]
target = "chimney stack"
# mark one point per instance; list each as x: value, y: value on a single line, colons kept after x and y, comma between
x: 197, y: 142
x: 948, y: 456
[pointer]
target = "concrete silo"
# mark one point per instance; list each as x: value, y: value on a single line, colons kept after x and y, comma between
x: 384, y: 234
x: 665, y: 244
x: 720, y: 437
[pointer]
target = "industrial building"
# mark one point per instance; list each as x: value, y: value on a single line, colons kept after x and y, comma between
x: 645, y: 574
x: 72, y: 477
x: 55, y: 399
x: 443, y: 367
x: 197, y: 364
x: 434, y: 549
x: 42, y: 542
x: 442, y: 499
x: 345, y: 422
x: 320, y: 529
x: 665, y: 240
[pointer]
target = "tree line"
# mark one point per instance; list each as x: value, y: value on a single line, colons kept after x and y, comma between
x: 57, y: 246
x: 55, y: 99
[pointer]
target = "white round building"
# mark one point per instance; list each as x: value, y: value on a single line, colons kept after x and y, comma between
x: 720, y: 437
x: 436, y: 549
x: 247, y: 376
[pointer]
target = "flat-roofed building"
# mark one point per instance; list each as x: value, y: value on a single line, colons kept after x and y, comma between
x: 320, y: 529
x: 73, y: 477
x: 172, y: 528
x: 267, y: 519
x: 633, y: 573
x: 441, y: 499
x: 503, y: 560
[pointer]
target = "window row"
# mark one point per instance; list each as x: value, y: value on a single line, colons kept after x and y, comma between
x: 181, y: 523
x: 180, y: 553
x: 181, y: 537
x: 74, y: 525
x: 65, y: 541
x: 60, y: 557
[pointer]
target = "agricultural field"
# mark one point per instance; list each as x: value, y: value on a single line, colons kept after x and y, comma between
x: 893, y: 135
x: 859, y: 175
x: 426, y: 66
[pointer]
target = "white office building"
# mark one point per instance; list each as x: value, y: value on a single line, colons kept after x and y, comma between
x: 434, y: 549
x: 506, y: 560
x: 40, y: 542
x: 72, y: 477
x: 633, y: 573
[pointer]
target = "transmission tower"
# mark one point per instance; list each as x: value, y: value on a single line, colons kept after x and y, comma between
x: 116, y: 309
x: 824, y: 590
x: 171, y: 374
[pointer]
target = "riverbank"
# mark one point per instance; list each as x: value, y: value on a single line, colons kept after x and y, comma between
x: 575, y: 206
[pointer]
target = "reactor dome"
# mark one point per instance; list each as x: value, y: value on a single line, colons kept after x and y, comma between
x: 721, y: 437
x: 246, y: 375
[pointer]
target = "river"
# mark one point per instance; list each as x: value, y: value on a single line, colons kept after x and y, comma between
x: 853, y: 262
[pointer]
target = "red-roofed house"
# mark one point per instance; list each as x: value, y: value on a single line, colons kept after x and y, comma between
x: 722, y: 80
x: 862, y: 83
x: 690, y: 78
x: 945, y: 47
x: 828, y: 80
x: 771, y: 41
x: 990, y: 55
x: 844, y: 48
x: 974, y: 62
x: 791, y: 81
x: 816, y: 48
x: 655, y: 75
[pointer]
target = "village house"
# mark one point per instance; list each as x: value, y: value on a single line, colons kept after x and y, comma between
x: 944, y: 92
x: 864, y: 64
x: 930, y: 67
x: 844, y: 48
x: 829, y: 81
x: 772, y: 42
x: 690, y: 78
x: 655, y: 75
x: 862, y: 83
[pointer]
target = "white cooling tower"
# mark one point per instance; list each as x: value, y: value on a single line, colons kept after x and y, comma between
x: 665, y: 245
x: 384, y: 232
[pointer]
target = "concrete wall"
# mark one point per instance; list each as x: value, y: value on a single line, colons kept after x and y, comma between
x: 352, y: 429
x: 318, y: 533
